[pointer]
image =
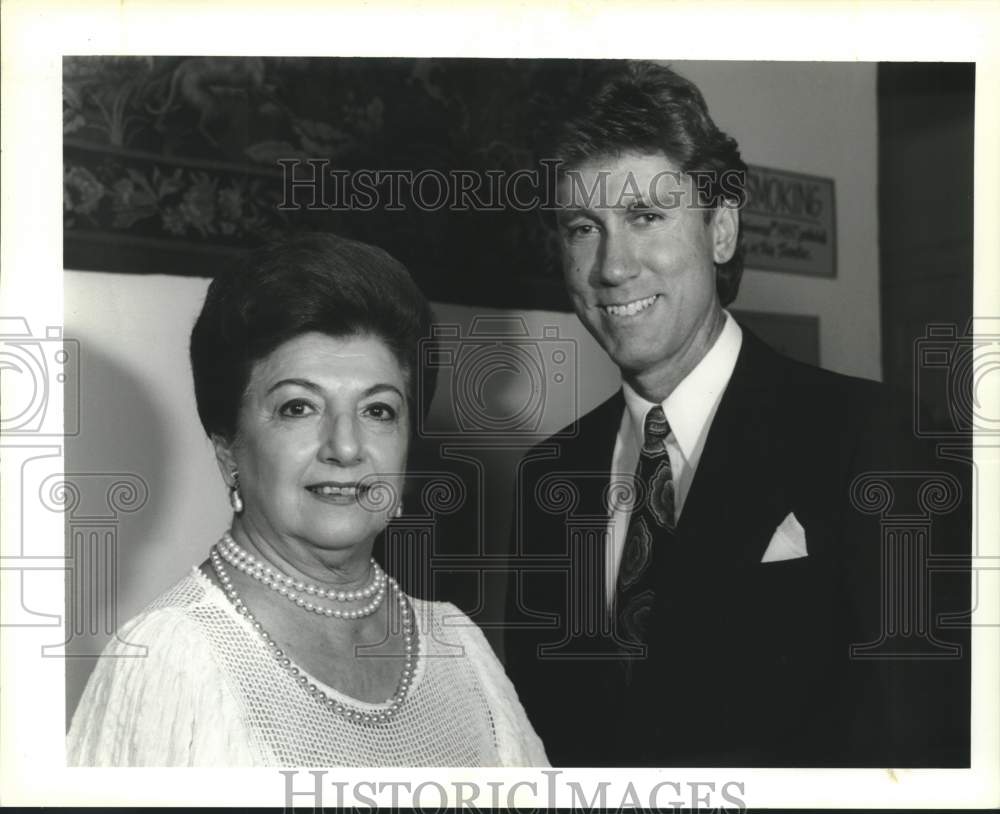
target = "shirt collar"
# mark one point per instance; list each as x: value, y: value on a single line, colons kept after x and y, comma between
x: 691, y: 406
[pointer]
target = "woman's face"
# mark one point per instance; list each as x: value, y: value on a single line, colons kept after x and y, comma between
x: 321, y: 415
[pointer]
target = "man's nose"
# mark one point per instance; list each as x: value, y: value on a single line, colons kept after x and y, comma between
x: 342, y: 442
x: 616, y: 262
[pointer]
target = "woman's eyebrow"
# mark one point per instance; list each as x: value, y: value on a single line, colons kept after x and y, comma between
x: 296, y: 382
x: 310, y: 385
x: 378, y: 388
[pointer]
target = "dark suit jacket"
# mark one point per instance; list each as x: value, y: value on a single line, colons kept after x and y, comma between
x: 748, y: 662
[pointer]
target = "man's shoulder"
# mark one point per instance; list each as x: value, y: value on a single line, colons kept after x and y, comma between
x: 581, y: 441
x: 816, y: 411
x: 800, y: 384
x: 823, y: 383
x: 601, y: 420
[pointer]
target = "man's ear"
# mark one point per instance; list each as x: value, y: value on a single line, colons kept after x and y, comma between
x: 725, y: 230
x: 224, y: 458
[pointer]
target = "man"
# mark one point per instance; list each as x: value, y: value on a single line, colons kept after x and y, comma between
x: 710, y: 622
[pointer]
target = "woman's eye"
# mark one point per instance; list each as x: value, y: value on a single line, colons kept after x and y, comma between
x: 297, y: 408
x: 380, y: 412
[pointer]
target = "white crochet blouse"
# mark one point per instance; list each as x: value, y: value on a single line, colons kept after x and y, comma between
x: 208, y: 693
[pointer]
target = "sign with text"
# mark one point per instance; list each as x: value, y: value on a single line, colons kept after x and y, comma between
x: 789, y: 223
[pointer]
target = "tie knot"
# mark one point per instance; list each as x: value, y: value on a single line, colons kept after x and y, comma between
x: 655, y: 430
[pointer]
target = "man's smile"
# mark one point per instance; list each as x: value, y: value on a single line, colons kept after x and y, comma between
x: 629, y: 309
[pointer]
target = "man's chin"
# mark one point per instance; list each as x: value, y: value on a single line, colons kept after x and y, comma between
x: 634, y: 361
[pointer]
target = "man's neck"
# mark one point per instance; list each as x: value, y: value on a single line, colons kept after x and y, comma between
x: 656, y: 383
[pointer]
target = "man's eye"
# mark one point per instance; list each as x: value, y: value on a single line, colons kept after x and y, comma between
x: 644, y: 218
x: 578, y: 230
x: 380, y: 412
x: 296, y: 408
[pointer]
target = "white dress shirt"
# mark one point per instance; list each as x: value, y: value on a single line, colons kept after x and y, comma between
x: 690, y: 409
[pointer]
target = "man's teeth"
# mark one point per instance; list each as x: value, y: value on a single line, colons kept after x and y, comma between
x: 336, y: 490
x: 631, y: 308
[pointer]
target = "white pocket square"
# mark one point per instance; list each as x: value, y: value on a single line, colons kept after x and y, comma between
x: 788, y: 541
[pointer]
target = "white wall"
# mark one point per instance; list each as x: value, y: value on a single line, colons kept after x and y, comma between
x: 137, y: 402
x: 818, y: 118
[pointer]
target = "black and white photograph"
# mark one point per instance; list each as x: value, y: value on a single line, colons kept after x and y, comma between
x: 627, y: 420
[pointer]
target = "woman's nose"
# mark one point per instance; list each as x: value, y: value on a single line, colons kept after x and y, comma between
x: 342, y: 443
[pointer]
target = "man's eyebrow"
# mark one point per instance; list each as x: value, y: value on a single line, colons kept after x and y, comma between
x: 566, y: 212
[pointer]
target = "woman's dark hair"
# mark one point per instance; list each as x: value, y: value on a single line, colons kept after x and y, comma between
x: 647, y: 108
x: 312, y: 283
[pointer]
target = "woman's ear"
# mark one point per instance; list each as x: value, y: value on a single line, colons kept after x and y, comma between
x: 725, y: 230
x: 225, y: 458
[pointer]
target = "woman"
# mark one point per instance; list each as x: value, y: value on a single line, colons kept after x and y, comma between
x: 289, y: 646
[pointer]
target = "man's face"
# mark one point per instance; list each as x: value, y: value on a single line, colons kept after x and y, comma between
x: 639, y: 259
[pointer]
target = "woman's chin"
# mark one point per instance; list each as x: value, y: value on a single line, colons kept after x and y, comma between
x: 342, y: 533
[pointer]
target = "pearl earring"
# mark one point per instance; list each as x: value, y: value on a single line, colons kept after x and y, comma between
x: 235, y: 498
x: 399, y: 510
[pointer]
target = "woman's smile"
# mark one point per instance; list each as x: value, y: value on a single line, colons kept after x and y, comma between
x: 338, y: 493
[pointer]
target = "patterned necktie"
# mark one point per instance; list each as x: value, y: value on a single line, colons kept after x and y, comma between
x: 652, y: 522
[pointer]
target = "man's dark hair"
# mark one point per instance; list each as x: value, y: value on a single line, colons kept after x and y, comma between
x: 313, y: 283
x: 648, y: 108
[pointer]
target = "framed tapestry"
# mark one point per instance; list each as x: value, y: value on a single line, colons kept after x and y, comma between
x: 176, y: 164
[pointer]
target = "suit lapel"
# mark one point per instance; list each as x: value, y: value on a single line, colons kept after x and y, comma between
x: 736, y: 491
x: 592, y: 453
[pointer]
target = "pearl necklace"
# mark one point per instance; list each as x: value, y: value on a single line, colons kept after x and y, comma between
x: 299, y: 592
x: 392, y: 705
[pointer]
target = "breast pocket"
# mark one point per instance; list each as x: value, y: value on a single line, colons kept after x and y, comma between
x: 795, y: 607
x: 785, y: 586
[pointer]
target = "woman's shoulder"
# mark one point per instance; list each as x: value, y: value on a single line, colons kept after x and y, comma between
x: 440, y: 613
x: 161, y: 693
x: 178, y: 611
x: 447, y: 624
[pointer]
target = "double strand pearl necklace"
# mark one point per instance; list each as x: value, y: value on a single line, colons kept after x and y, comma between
x: 299, y: 592
x: 389, y: 710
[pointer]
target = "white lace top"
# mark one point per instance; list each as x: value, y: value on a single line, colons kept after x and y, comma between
x: 208, y: 693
